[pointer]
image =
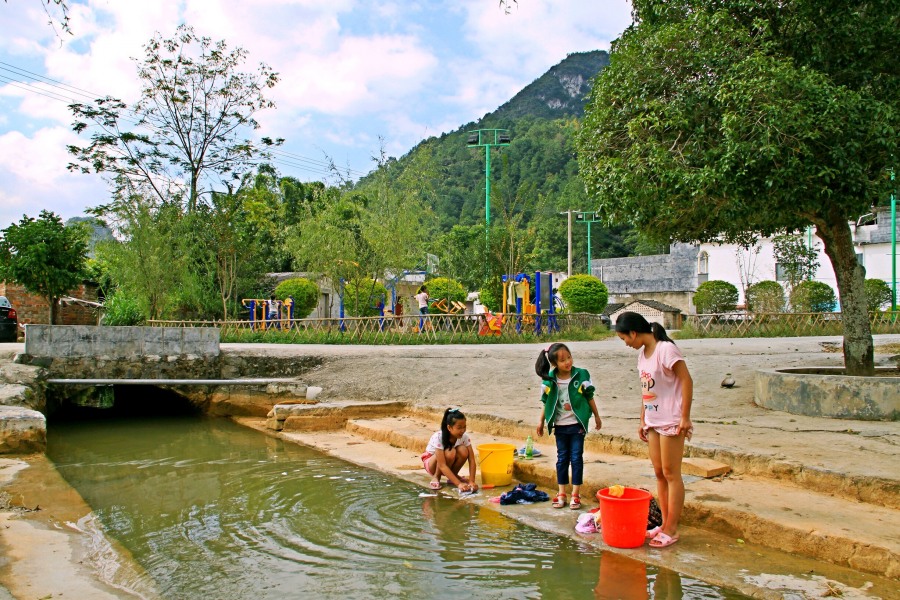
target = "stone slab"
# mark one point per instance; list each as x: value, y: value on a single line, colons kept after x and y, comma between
x: 22, y: 430
x: 704, y: 467
x: 78, y: 341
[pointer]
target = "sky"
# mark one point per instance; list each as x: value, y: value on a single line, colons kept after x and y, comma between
x: 350, y: 71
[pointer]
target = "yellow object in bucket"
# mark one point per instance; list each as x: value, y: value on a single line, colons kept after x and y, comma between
x: 617, y: 490
x: 496, y: 463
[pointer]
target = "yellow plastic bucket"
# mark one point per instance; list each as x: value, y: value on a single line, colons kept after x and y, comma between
x: 496, y: 463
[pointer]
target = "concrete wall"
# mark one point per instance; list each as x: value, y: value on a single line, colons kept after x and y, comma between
x: 65, y: 341
x: 680, y: 300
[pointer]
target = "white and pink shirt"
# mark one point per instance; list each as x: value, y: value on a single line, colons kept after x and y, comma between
x: 660, y: 388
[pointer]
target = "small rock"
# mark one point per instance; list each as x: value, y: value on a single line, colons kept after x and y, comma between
x: 728, y: 382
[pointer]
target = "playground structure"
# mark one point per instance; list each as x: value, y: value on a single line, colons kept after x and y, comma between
x: 284, y: 311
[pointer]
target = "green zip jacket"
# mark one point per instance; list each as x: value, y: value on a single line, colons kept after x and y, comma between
x: 581, y: 391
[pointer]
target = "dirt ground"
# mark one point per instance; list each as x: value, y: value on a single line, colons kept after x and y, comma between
x: 500, y: 379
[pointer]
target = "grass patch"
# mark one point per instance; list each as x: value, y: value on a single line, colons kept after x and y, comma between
x: 429, y: 338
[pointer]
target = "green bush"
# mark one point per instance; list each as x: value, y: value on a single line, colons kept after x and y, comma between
x: 304, y: 292
x: 491, y: 295
x: 765, y: 297
x: 370, y: 294
x: 120, y: 310
x: 878, y: 294
x: 813, y: 296
x: 584, y: 293
x: 441, y: 288
x: 715, y: 297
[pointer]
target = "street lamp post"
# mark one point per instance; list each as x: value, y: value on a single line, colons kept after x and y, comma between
x: 893, y: 247
x: 587, y: 217
x: 487, y: 138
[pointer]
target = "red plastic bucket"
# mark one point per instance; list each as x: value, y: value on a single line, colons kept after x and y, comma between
x: 624, y: 520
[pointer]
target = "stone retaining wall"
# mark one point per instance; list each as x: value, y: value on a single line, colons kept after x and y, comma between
x: 70, y: 341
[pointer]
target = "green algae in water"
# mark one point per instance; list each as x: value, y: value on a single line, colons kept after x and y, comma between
x: 211, y: 509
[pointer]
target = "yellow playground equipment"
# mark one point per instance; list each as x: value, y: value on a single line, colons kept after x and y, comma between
x: 517, y: 294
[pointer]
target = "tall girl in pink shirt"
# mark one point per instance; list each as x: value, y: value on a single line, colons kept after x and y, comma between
x: 667, y: 390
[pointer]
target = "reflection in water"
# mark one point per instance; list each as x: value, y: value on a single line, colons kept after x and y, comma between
x: 214, y: 510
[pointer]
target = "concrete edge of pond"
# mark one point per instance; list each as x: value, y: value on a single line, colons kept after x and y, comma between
x: 828, y: 392
x: 704, y: 555
x: 59, y: 550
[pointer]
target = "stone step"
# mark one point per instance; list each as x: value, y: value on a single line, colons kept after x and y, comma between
x: 761, y: 511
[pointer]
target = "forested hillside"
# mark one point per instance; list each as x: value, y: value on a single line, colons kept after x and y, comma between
x: 532, y: 180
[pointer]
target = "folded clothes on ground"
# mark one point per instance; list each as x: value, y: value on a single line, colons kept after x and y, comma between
x: 528, y: 492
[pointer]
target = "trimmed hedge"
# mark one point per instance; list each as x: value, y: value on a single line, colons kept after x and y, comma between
x: 813, y: 297
x: 715, y: 297
x: 765, y: 297
x: 878, y: 294
x: 584, y: 293
x: 441, y: 288
x: 304, y: 292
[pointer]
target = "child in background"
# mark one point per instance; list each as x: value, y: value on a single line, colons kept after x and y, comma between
x: 568, y: 401
x: 448, y: 450
x: 667, y: 390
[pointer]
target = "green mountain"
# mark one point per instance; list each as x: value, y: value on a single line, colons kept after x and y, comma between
x: 560, y: 92
x: 532, y: 180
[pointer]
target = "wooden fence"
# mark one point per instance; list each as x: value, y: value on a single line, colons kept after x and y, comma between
x: 779, y: 324
x: 412, y: 329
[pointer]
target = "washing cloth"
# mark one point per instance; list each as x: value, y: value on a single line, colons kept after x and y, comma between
x: 587, y: 523
x: 527, y: 493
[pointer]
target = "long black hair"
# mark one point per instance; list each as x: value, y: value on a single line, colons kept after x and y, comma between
x: 632, y: 321
x: 547, y: 359
x: 451, y: 417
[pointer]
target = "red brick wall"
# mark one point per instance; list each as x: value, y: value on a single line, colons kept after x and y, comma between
x: 33, y: 309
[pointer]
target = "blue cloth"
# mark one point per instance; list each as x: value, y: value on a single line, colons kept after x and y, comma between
x: 524, y: 494
x: 569, y: 450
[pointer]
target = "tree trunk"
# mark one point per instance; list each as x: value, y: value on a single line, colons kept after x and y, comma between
x: 52, y: 302
x: 859, y: 352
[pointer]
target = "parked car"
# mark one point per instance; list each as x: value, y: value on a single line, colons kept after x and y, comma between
x: 9, y: 321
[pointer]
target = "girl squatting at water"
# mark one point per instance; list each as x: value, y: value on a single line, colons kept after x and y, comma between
x: 448, y: 451
x: 568, y: 401
x: 667, y: 390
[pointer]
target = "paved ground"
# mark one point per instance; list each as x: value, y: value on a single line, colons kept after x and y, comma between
x: 500, y: 379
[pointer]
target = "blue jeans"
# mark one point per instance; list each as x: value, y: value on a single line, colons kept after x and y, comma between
x: 569, y: 450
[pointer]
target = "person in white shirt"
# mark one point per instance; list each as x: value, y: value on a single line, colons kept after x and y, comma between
x: 448, y: 450
x: 422, y: 299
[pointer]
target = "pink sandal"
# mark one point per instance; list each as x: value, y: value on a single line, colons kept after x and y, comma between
x: 436, y: 485
x: 652, y: 533
x: 662, y: 540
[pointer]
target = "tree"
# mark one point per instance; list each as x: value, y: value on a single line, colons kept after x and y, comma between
x: 584, y: 293
x: 304, y: 292
x: 813, y: 296
x: 63, y: 19
x: 715, y: 297
x: 187, y: 125
x: 364, y: 295
x: 745, y: 257
x: 731, y: 119
x: 797, y: 261
x: 765, y: 297
x: 878, y: 294
x: 44, y: 256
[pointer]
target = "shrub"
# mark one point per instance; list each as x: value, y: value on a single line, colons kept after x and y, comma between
x: 120, y: 310
x: 584, y: 293
x: 765, y: 297
x: 813, y: 296
x: 716, y: 296
x: 878, y: 294
x: 491, y: 295
x: 370, y: 293
x: 444, y: 288
x: 304, y: 292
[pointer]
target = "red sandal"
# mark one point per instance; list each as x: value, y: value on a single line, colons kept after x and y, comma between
x: 557, y: 503
x: 576, y: 502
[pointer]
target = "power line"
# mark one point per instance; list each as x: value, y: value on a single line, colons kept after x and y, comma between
x: 295, y: 160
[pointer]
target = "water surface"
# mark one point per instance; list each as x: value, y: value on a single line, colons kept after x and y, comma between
x: 211, y: 509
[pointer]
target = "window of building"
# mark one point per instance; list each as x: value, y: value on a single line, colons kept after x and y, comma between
x: 780, y: 275
x: 702, y: 268
x: 859, y: 258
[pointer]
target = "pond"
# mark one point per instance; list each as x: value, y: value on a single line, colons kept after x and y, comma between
x: 211, y: 509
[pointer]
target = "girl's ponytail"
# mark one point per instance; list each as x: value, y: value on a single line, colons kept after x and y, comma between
x: 451, y: 416
x: 632, y: 321
x: 547, y: 358
x: 659, y: 332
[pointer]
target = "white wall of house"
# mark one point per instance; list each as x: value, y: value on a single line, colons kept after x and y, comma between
x: 723, y: 263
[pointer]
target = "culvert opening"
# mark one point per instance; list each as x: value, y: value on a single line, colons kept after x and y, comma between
x: 118, y: 402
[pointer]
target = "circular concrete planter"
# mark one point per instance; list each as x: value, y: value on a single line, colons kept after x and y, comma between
x: 827, y: 392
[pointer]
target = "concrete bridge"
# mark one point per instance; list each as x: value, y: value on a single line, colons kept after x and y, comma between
x: 77, y: 365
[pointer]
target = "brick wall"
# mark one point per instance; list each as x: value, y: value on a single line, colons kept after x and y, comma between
x: 32, y: 309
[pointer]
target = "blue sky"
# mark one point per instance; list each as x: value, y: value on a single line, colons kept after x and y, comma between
x: 351, y: 71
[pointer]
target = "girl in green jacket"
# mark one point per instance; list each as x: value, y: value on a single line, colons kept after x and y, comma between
x: 568, y: 401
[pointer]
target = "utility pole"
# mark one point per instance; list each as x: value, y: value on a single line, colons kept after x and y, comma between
x: 585, y: 217
x: 569, y: 212
x: 893, y: 248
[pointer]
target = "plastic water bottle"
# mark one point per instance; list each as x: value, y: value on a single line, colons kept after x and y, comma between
x: 529, y: 448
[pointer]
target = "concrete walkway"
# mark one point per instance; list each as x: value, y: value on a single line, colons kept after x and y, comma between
x: 859, y: 459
